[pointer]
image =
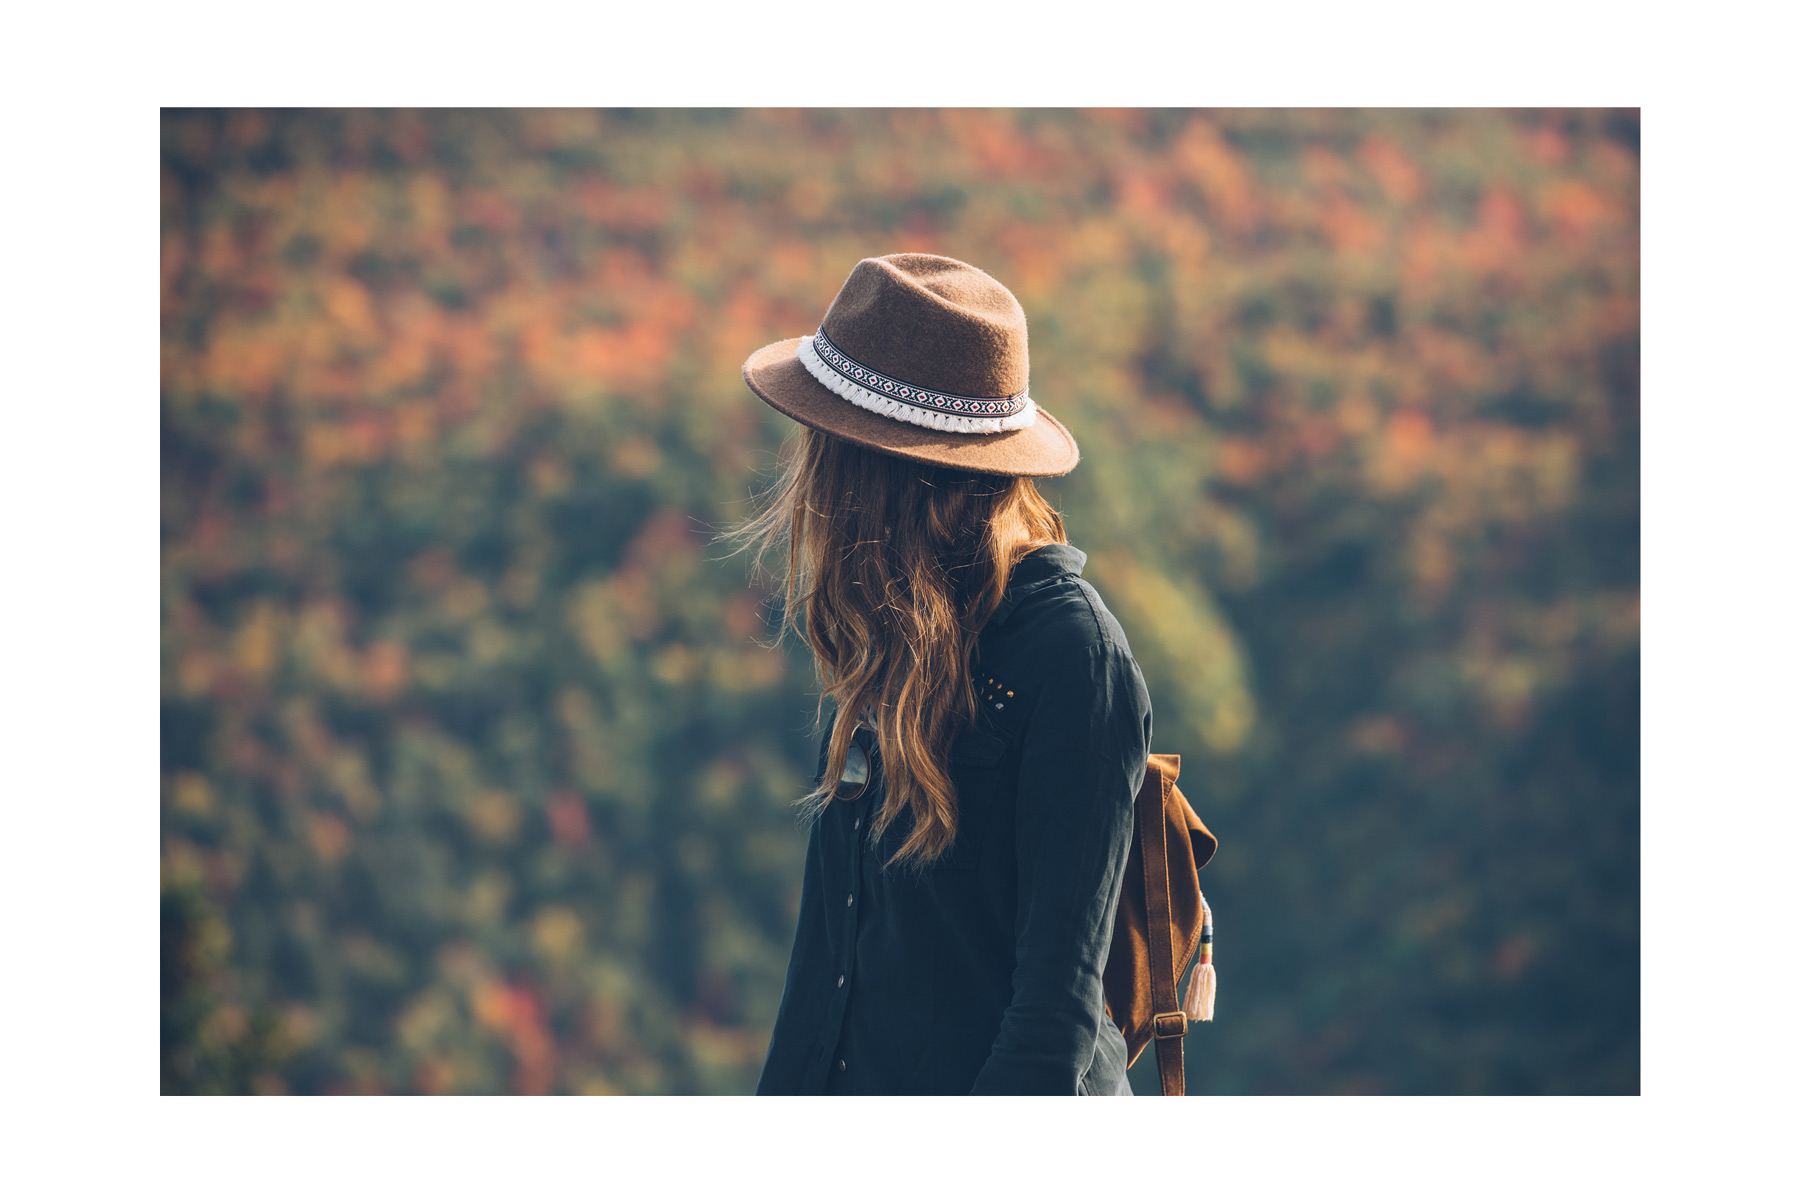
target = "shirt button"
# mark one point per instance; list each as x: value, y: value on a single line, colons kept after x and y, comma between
x: 840, y: 980
x: 857, y: 825
x: 842, y: 1066
x: 851, y: 900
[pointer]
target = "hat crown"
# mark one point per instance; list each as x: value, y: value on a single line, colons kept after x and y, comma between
x: 932, y: 321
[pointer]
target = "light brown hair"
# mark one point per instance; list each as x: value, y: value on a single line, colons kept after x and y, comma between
x: 892, y: 569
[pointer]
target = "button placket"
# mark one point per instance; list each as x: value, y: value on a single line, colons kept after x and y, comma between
x: 850, y: 918
x: 841, y: 1000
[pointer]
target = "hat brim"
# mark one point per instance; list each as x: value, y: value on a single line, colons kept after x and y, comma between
x: 1043, y: 448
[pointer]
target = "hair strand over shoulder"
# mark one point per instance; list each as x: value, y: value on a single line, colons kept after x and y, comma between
x: 892, y: 567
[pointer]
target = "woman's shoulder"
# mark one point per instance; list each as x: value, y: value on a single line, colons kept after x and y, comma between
x: 1053, y: 617
x: 1061, y: 655
x: 1069, y: 616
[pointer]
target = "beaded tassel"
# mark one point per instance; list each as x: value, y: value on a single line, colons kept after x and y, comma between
x: 1203, y: 986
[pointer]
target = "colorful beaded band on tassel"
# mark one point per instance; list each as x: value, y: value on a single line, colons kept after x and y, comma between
x: 1203, y: 986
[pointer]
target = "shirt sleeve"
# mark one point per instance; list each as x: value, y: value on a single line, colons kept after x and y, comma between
x: 799, y: 1016
x: 1083, y: 759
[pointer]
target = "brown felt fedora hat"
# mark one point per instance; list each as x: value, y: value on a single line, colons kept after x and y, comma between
x: 922, y: 357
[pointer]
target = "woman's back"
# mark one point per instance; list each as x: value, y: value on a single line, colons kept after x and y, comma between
x: 982, y: 971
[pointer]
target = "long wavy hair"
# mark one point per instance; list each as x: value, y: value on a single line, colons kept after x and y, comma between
x: 892, y: 569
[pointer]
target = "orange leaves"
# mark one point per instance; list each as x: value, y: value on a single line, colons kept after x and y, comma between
x: 625, y: 359
x: 996, y: 147
x: 1357, y: 414
x: 628, y: 350
x: 1547, y: 146
x: 386, y: 670
x: 1398, y: 176
x: 327, y: 443
x: 1036, y: 259
x: 1403, y: 452
x: 793, y: 267
x: 347, y: 303
x: 809, y: 197
x: 1576, y: 209
x: 514, y: 1012
x: 1492, y: 245
x: 744, y: 321
x: 621, y: 208
x: 1348, y: 226
x: 1409, y: 436
x: 491, y: 209
x: 329, y: 836
x: 1140, y: 194
x: 1220, y: 173
x: 1241, y: 460
x: 410, y: 345
x: 1426, y: 250
x: 1501, y: 217
x: 238, y: 363
x: 1324, y: 168
x: 467, y: 342
x: 1351, y: 230
x: 1480, y: 472
x: 416, y: 425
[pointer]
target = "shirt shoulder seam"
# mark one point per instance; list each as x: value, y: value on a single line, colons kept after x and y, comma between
x: 1105, y: 639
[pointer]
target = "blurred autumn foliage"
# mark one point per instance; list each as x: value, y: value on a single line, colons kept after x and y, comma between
x: 475, y: 776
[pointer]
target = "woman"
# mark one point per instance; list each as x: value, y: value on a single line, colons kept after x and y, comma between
x: 971, y: 822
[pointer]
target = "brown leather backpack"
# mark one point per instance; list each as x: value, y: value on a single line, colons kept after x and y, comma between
x: 1163, y: 923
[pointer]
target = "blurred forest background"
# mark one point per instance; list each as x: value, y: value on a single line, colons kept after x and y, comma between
x: 475, y: 777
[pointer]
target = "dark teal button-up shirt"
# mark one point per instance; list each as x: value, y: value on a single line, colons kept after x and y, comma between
x: 982, y: 972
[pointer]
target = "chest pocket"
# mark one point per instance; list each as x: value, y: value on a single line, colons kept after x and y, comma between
x: 975, y: 767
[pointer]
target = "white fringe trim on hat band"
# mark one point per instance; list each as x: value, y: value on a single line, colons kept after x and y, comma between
x: 874, y: 402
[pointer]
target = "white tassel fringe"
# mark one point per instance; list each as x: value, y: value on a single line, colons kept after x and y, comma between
x: 862, y: 398
x: 1202, y: 992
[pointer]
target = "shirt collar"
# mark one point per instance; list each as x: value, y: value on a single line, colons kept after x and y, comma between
x: 1038, y: 568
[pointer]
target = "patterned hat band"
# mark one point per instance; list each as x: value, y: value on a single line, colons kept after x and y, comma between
x: 869, y: 389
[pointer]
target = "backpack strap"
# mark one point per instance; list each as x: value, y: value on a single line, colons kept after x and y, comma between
x: 1167, y: 1023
